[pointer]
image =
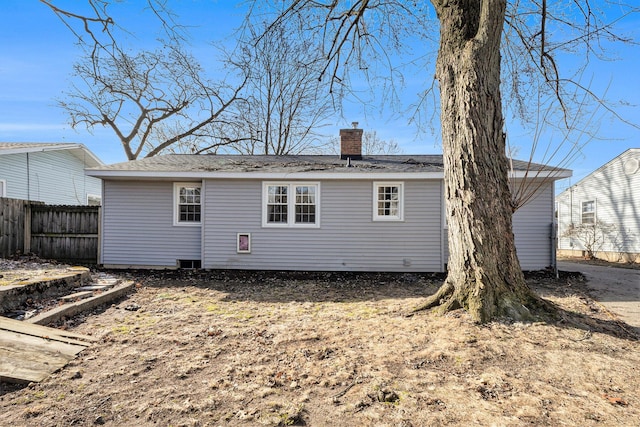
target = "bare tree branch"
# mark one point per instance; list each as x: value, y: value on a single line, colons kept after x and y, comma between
x: 286, y: 104
x: 134, y: 94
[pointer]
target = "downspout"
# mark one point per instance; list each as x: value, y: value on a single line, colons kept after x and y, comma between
x: 554, y: 232
x: 28, y: 179
x: 571, y: 217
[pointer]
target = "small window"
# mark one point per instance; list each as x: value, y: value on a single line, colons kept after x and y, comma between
x: 388, y: 201
x: 187, y: 204
x: 290, y: 205
x: 589, y: 212
x: 189, y: 263
x: 3, y: 188
x: 94, y: 200
x: 243, y: 243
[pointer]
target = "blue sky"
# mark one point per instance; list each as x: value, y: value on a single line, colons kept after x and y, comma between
x: 37, y: 53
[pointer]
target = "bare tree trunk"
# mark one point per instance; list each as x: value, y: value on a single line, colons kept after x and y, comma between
x: 484, y: 275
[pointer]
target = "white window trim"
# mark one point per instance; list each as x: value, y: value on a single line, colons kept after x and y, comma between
x: 387, y: 218
x: 291, y: 204
x: 176, y: 199
x: 3, y: 188
x: 595, y: 212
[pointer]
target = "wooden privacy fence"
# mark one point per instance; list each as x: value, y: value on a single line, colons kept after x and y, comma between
x: 64, y: 233
x: 12, y: 214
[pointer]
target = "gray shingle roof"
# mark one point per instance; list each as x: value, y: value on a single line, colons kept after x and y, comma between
x: 288, y: 164
x: 300, y: 163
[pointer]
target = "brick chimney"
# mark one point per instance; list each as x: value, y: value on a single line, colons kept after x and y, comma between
x: 351, y: 143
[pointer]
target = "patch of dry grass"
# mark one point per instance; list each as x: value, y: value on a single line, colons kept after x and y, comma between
x: 333, y: 350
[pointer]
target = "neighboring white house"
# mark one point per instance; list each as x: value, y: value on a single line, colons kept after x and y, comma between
x: 313, y: 213
x: 52, y: 173
x: 602, y: 211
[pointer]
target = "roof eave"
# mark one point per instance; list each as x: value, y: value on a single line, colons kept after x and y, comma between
x: 121, y: 174
x: 261, y: 175
x: 93, y: 160
x: 554, y: 174
x: 36, y: 149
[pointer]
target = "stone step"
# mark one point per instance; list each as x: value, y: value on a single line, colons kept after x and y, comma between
x: 76, y: 296
x: 93, y: 288
x: 75, y: 307
x: 107, y: 281
x: 51, y: 285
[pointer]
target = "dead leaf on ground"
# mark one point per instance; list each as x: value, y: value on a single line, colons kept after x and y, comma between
x: 615, y: 400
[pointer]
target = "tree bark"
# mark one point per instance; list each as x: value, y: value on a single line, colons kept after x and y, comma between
x: 484, y: 274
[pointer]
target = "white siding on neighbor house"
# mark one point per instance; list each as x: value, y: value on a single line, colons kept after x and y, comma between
x: 52, y: 177
x: 347, y: 239
x: 616, y: 194
x: 137, y: 226
x: 532, y: 228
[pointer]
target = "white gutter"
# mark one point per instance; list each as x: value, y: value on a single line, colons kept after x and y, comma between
x: 38, y: 148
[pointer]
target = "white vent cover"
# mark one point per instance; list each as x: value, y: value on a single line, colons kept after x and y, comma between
x: 631, y: 166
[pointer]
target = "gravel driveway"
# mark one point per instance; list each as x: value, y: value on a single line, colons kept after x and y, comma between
x: 618, y: 289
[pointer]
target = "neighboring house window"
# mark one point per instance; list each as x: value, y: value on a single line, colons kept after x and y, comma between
x: 589, y: 212
x: 3, y: 188
x: 187, y: 203
x: 290, y: 204
x: 388, y: 203
x: 94, y: 200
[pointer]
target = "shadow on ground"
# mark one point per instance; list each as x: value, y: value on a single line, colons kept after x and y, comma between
x: 577, y: 310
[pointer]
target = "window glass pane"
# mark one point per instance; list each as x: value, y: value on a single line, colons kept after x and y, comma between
x: 389, y: 201
x: 277, y: 209
x: 305, y: 214
x: 589, y: 212
x: 190, y: 213
x: 277, y: 214
x: 305, y: 204
x: 189, y: 209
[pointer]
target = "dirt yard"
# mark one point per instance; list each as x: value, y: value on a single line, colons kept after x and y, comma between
x: 250, y: 349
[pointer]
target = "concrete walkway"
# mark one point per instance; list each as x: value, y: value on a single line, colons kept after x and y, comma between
x: 618, y: 289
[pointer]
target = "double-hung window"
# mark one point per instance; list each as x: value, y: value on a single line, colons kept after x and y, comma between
x: 589, y: 212
x: 388, y: 201
x: 290, y: 204
x: 187, y: 203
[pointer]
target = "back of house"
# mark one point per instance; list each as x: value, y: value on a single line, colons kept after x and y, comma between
x: 314, y: 213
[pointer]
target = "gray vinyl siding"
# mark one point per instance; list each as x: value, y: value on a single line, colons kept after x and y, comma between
x: 617, y: 202
x: 52, y: 177
x: 137, y: 226
x: 347, y: 239
x: 532, y: 228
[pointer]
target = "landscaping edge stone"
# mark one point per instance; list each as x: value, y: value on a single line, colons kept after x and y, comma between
x: 54, y: 285
x: 73, y: 308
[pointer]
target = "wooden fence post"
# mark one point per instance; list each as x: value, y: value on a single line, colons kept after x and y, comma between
x: 27, y: 227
